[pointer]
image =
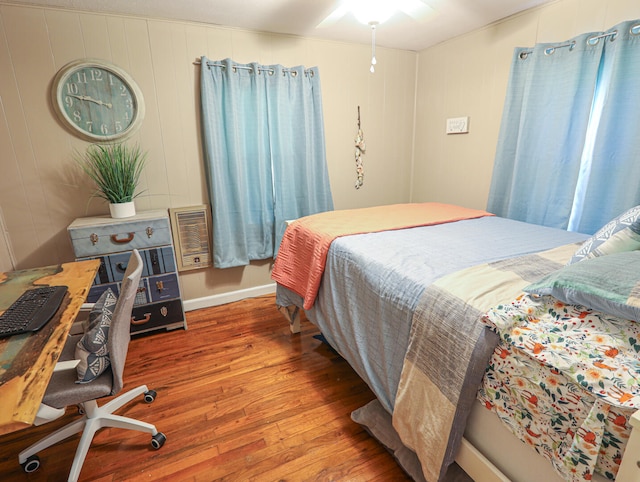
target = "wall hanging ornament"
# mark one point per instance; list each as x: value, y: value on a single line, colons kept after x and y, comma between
x: 360, y: 150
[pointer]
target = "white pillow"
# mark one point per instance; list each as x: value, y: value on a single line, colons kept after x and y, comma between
x: 598, y: 244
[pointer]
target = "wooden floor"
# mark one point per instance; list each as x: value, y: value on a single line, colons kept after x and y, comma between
x: 239, y: 398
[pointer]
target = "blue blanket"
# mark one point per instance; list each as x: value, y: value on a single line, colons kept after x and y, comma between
x: 372, y: 284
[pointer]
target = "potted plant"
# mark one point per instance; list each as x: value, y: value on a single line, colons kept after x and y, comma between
x: 115, y: 169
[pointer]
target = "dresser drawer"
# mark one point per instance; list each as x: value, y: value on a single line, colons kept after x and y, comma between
x: 156, y: 261
x: 159, y: 260
x: 100, y: 236
x: 118, y: 265
x: 98, y: 289
x: 143, y: 295
x: 164, y: 287
x: 167, y: 314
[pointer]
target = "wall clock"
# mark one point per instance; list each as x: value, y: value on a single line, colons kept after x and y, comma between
x: 97, y: 100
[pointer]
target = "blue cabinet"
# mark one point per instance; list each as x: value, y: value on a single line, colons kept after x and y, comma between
x: 158, y: 302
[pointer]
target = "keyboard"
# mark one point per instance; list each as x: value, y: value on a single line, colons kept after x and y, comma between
x: 32, y: 310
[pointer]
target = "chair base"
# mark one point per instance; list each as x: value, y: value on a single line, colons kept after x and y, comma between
x: 94, y: 419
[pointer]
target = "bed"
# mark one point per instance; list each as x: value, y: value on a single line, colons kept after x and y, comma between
x: 388, y: 283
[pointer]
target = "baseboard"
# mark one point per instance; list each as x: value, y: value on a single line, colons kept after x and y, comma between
x: 224, y: 298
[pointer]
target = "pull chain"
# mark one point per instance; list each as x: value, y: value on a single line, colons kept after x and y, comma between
x: 373, y: 46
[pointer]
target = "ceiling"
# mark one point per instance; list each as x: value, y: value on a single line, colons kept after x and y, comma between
x: 447, y: 19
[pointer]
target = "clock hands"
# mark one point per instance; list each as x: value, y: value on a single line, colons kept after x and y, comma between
x: 91, y: 99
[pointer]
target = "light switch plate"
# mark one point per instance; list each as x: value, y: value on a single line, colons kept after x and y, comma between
x: 458, y: 125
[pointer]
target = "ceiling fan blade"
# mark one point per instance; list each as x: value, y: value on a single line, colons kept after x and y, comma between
x: 415, y: 9
x: 334, y: 16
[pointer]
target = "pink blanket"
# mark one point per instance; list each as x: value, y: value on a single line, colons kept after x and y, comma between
x: 303, y: 252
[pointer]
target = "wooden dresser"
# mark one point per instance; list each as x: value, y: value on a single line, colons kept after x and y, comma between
x: 158, y: 302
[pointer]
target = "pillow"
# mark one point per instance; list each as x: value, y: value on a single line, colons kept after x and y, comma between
x: 607, y: 240
x: 609, y: 284
x: 92, y: 350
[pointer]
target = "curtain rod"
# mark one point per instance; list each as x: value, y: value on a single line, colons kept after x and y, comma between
x: 260, y: 69
x: 634, y: 30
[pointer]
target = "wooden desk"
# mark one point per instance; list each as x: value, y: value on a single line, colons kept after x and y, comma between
x: 27, y: 360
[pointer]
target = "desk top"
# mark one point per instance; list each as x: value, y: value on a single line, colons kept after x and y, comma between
x: 27, y: 360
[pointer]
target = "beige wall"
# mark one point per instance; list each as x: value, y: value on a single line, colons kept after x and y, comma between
x: 41, y: 191
x: 467, y: 76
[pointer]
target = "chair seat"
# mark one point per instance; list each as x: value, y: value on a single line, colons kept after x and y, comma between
x: 63, y: 391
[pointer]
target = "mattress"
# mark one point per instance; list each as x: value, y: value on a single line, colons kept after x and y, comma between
x: 373, y: 282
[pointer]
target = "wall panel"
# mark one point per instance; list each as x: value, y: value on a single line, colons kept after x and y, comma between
x: 43, y: 190
x: 468, y: 75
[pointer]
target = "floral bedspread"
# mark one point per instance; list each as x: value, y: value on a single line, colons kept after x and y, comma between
x: 565, y: 380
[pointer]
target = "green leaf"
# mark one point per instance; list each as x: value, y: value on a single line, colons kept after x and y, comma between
x: 115, y: 169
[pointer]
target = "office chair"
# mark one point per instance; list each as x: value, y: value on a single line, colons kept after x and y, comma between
x: 63, y: 390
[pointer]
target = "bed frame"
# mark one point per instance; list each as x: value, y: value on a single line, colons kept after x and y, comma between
x: 499, y: 459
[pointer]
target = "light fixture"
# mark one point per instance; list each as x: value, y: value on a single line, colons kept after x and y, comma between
x: 370, y: 11
x: 374, y: 13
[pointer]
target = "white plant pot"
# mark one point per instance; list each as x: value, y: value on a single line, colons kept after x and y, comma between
x: 122, y: 210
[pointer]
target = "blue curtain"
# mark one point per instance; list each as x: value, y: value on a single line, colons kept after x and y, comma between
x: 301, y: 179
x: 611, y: 181
x: 263, y: 136
x: 543, y: 130
x: 555, y: 144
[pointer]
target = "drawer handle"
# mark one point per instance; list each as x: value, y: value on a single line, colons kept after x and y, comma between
x: 147, y: 317
x: 94, y: 238
x: 128, y: 239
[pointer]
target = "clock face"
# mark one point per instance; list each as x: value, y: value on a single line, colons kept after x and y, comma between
x: 98, y: 101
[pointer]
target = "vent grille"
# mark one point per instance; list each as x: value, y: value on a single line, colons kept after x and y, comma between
x: 191, y: 228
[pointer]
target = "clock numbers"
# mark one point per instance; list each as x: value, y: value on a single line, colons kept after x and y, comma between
x: 96, y: 75
x: 98, y: 100
x: 81, y: 77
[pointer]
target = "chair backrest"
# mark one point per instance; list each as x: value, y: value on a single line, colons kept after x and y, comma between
x: 119, y: 331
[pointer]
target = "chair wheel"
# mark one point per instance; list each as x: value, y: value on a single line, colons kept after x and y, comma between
x: 31, y: 464
x: 158, y: 440
x: 150, y: 396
